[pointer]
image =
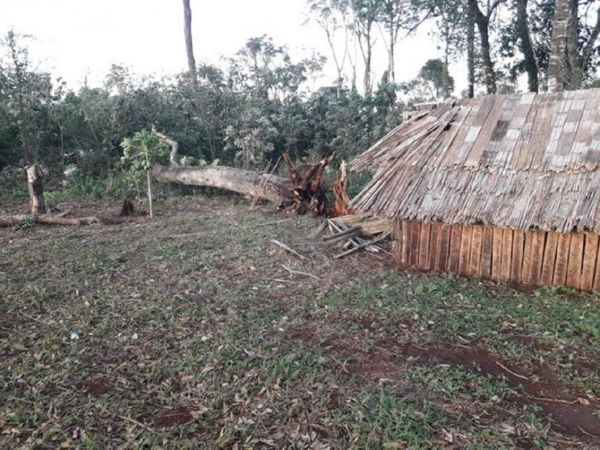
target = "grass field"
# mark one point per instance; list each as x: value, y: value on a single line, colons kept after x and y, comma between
x: 188, y: 331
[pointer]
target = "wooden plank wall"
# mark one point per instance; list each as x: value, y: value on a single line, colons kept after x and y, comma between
x: 534, y: 257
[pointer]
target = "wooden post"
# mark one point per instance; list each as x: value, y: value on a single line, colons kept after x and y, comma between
x: 150, y: 199
x: 35, y: 185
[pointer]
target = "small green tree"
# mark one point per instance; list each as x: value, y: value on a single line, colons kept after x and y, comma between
x: 140, y: 153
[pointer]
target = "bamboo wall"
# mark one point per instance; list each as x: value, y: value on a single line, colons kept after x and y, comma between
x: 535, y: 257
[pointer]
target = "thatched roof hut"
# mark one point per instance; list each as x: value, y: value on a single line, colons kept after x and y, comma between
x: 523, y: 165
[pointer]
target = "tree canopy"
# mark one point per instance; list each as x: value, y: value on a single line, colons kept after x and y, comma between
x: 261, y: 102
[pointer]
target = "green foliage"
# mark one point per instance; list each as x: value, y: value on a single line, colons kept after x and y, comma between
x: 141, y: 152
x: 87, y: 187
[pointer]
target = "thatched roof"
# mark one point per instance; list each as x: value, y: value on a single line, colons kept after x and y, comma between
x: 518, y: 161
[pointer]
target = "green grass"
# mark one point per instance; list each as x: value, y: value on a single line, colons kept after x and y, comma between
x: 107, y: 330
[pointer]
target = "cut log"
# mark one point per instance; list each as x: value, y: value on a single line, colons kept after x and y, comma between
x: 254, y: 184
x: 45, y: 219
x: 35, y: 185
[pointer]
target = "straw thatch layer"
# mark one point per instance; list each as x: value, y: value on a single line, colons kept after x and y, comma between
x: 519, y: 161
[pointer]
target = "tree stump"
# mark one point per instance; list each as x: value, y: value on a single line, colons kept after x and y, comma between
x: 35, y: 185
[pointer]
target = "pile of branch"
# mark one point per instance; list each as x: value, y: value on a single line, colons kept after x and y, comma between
x: 357, y: 232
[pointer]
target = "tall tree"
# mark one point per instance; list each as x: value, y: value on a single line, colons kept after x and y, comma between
x: 393, y: 16
x: 189, y: 43
x: 331, y: 15
x: 29, y: 95
x: 365, y: 14
x: 482, y: 20
x: 526, y: 45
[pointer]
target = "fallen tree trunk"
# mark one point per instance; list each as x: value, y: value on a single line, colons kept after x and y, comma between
x: 45, y: 219
x: 254, y: 184
x: 304, y: 190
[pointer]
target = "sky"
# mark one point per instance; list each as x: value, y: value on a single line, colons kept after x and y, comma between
x: 75, y: 38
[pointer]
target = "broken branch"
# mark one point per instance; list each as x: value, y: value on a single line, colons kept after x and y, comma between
x: 287, y: 249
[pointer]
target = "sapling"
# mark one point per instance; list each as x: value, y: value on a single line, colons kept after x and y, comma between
x: 140, y: 153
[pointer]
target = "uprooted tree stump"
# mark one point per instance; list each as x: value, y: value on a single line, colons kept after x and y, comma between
x: 308, y: 189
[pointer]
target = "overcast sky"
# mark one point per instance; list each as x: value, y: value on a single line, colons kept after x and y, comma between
x: 75, y: 37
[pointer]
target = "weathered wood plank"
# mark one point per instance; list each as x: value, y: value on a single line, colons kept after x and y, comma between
x: 442, y: 262
x: 475, y: 256
x: 525, y: 269
x: 596, y: 286
x: 434, y: 245
x: 496, y: 253
x: 414, y: 238
x: 575, y: 263
x: 424, y: 250
x: 507, y: 253
x: 518, y: 246
x: 590, y: 255
x: 485, y: 268
x: 455, y: 243
x: 562, y: 259
x: 547, y: 274
x: 405, y: 249
x: 465, y: 250
x: 538, y: 240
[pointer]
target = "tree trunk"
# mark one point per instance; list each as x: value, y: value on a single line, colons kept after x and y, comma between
x: 35, y: 186
x: 189, y: 43
x: 589, y: 46
x: 392, y: 56
x: 471, y: 53
x: 254, y: 184
x: 368, y: 60
x: 559, y: 70
x: 342, y: 205
x: 45, y: 219
x: 575, y: 62
x: 526, y: 45
x: 483, y: 26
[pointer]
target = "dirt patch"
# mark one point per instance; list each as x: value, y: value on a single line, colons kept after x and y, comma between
x: 534, y: 343
x: 370, y: 322
x: 97, y: 386
x: 167, y: 419
x: 587, y: 365
x: 569, y: 411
